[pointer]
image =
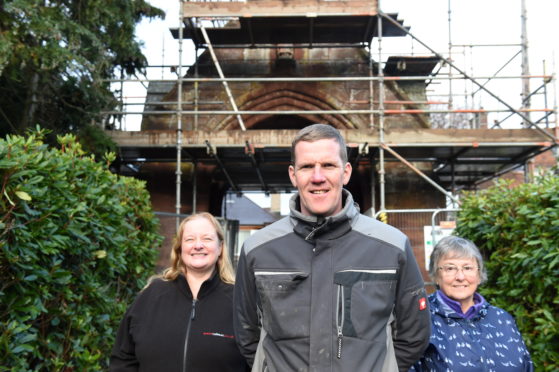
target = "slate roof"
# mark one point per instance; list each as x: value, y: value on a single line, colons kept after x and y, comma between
x: 246, y: 211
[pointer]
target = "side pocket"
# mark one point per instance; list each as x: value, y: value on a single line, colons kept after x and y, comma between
x: 284, y: 302
x: 365, y: 293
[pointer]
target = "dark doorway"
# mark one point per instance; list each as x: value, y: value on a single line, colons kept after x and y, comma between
x: 282, y: 122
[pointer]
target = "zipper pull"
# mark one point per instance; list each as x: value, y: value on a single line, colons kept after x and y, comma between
x: 311, y: 234
x: 315, y: 228
x: 340, y: 339
x: 193, y: 311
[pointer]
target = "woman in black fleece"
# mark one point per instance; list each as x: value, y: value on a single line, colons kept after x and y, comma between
x: 183, y: 319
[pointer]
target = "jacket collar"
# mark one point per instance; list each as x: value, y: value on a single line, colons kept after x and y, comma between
x: 205, y: 289
x: 315, y: 227
x: 445, y: 311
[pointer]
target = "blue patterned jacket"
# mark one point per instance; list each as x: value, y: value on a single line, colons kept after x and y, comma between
x: 488, y: 342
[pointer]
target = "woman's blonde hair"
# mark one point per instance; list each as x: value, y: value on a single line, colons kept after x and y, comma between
x: 224, y: 266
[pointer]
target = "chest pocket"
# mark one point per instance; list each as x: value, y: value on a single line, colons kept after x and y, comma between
x: 285, y: 303
x: 365, y: 300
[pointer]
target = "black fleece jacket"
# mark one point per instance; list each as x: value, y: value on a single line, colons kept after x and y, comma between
x: 165, y: 329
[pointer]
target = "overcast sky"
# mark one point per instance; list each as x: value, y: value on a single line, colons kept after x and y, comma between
x: 472, y: 22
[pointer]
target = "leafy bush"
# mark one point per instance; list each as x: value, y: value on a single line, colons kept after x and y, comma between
x: 76, y: 244
x: 518, y: 230
x: 95, y: 141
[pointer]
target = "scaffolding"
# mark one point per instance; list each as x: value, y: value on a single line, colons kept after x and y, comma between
x: 461, y: 160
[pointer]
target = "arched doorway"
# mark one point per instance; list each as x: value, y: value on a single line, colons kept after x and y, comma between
x: 282, y: 122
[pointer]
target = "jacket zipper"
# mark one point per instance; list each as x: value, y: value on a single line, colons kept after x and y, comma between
x: 340, y: 319
x: 190, y: 318
x: 314, y: 230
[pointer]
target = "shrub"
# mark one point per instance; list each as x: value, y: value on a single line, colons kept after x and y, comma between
x: 517, y: 229
x: 76, y: 244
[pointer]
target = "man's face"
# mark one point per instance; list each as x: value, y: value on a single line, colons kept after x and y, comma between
x: 319, y: 175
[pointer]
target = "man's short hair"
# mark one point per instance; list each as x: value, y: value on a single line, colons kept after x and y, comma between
x: 315, y: 132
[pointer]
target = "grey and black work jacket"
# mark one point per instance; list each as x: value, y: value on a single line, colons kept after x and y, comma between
x: 341, y: 294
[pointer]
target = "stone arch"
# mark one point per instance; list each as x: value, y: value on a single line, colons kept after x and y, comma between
x: 285, y: 99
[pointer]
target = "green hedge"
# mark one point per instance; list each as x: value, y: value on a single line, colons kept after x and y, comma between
x: 517, y: 229
x: 76, y: 244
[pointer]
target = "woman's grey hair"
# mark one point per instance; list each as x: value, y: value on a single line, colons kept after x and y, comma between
x: 317, y: 132
x: 455, y: 246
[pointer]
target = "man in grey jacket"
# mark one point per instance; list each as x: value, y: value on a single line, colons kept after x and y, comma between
x: 327, y: 288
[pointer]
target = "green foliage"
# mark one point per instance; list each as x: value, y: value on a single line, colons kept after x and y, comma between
x: 56, y: 57
x: 95, y: 141
x: 518, y: 230
x: 76, y: 244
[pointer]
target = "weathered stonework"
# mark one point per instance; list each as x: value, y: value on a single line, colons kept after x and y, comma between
x: 287, y: 96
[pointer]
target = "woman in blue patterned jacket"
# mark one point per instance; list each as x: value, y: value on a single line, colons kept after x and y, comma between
x: 468, y: 334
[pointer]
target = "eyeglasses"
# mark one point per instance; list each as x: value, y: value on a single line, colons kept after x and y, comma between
x: 451, y: 270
